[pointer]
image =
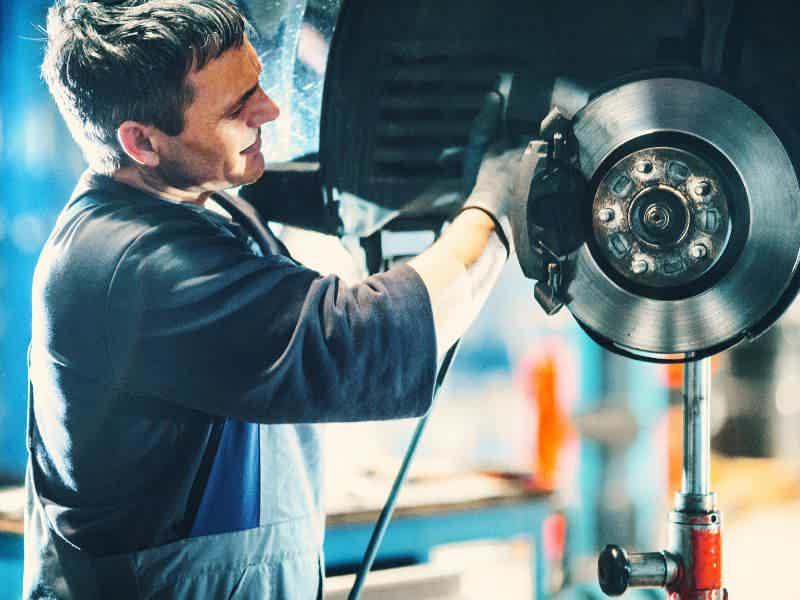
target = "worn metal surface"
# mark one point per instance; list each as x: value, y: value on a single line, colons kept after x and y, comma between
x: 660, y: 217
x: 768, y: 260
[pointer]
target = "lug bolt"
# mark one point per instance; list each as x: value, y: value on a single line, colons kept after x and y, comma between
x: 606, y: 215
x: 639, y: 266
x: 698, y: 251
x: 644, y: 167
x: 702, y: 189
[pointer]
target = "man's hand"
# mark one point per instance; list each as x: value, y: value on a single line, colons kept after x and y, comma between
x: 461, y: 268
x: 494, y: 189
x: 490, y: 168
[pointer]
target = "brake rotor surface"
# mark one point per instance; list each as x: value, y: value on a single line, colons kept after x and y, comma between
x: 695, y: 218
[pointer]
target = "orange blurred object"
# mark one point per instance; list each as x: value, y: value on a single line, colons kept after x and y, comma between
x: 672, y: 375
x: 554, y: 426
x: 675, y: 448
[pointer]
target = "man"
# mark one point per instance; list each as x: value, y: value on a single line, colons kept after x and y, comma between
x: 179, y: 355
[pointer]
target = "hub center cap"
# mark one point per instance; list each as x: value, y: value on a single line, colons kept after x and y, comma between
x: 659, y: 216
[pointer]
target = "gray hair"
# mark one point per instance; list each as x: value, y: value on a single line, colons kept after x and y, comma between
x: 109, y: 61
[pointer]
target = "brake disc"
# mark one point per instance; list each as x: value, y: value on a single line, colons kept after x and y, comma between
x: 694, y: 221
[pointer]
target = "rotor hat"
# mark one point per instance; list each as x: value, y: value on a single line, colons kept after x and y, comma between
x: 694, y: 217
x: 661, y: 219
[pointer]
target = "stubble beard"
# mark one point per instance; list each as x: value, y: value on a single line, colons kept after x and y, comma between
x: 176, y: 174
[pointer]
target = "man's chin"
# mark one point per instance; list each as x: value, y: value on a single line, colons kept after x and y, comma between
x: 254, y: 177
x: 251, y: 175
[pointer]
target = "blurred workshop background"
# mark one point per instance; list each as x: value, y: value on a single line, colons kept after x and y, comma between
x: 542, y: 446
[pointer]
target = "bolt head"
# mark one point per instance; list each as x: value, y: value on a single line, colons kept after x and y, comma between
x: 606, y: 215
x: 639, y: 266
x: 698, y: 251
x: 644, y: 167
x: 703, y: 188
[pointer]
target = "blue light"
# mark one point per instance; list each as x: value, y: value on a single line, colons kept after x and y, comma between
x: 39, y: 164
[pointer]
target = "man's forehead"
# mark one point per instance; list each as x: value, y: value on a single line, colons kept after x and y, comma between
x: 229, y: 75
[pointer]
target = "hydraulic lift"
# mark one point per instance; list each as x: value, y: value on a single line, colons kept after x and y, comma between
x: 691, y: 567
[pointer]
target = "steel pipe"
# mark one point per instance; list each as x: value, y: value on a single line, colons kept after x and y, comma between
x: 697, y: 428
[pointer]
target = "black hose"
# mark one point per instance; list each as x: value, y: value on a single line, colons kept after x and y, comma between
x: 386, y: 514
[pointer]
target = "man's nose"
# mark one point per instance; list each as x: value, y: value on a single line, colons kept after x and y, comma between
x: 264, y: 110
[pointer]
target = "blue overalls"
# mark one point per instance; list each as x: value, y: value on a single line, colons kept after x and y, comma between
x: 178, y: 362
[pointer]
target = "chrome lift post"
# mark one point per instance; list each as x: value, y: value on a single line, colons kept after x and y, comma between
x: 691, y: 567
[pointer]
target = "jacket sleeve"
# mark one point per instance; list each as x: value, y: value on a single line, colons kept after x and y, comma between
x: 194, y: 318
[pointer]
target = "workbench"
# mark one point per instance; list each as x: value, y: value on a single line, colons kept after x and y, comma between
x: 415, y: 530
x: 511, y: 511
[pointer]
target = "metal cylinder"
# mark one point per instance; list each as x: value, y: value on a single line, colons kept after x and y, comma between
x: 652, y: 570
x: 697, y: 427
x: 619, y: 571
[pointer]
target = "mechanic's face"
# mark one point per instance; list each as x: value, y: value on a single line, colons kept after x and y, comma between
x: 220, y: 145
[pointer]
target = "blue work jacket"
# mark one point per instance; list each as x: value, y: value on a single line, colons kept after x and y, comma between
x: 178, y: 362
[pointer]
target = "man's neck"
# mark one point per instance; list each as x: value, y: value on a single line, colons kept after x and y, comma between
x: 136, y: 178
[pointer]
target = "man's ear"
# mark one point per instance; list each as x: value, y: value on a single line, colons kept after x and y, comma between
x: 139, y: 143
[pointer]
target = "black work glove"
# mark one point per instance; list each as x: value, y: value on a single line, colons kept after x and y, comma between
x: 491, y: 169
